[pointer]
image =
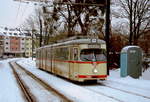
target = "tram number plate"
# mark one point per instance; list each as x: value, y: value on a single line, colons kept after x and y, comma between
x: 93, y: 46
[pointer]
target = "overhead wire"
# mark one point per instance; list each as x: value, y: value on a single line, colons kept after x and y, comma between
x: 17, y: 12
x: 23, y: 12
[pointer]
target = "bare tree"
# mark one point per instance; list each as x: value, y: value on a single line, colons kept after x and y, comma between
x: 80, y: 16
x: 138, y: 14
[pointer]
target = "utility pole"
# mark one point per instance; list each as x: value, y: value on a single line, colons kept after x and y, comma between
x: 107, y: 33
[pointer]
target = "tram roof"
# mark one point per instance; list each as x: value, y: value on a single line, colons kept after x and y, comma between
x: 76, y: 41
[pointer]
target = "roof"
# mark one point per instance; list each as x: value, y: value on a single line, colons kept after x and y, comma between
x: 77, y: 41
x: 16, y: 33
x: 125, y: 49
x: 1, y: 34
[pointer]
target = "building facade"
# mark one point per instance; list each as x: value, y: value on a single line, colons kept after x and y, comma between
x: 1, y: 44
x: 15, y: 44
x: 28, y: 46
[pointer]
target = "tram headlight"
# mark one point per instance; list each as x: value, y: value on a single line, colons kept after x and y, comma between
x: 95, y: 70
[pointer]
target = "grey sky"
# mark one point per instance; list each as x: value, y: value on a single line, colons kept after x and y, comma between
x: 12, y: 13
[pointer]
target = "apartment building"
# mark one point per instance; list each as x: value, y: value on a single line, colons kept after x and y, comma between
x: 16, y: 44
x: 28, y: 46
x: 1, y: 44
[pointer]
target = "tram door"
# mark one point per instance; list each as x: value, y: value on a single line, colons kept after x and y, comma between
x: 74, y: 58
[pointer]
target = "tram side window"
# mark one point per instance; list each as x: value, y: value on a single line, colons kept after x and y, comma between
x: 49, y: 53
x: 41, y: 54
x: 75, y: 53
x: 62, y: 54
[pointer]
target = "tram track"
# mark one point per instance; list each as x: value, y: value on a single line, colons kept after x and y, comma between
x: 101, y: 93
x: 97, y: 89
x: 109, y: 88
x: 29, y: 96
x: 137, y: 94
x: 26, y: 93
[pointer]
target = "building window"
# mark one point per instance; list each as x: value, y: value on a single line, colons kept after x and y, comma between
x: 15, y: 33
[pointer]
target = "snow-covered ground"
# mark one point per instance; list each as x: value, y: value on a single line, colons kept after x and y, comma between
x: 9, y: 91
x: 114, y: 89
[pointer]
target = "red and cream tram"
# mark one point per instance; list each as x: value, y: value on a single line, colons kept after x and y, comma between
x: 77, y: 59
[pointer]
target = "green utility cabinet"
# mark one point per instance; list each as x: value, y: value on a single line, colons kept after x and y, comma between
x: 131, y: 61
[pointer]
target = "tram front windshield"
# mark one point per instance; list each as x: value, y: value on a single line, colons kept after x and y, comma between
x: 93, y: 55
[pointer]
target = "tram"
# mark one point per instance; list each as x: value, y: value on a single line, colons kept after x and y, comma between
x: 78, y: 59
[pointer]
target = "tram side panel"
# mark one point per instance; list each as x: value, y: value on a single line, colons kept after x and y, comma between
x: 49, y: 60
x: 40, y: 59
x: 61, y: 65
x: 37, y: 58
x: 45, y: 58
x: 73, y: 68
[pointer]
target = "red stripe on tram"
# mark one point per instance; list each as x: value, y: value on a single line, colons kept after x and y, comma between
x: 82, y: 62
x: 92, y: 76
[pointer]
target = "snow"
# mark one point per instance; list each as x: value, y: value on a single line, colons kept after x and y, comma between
x: 9, y: 91
x: 142, y: 82
x: 114, y: 89
x: 73, y: 92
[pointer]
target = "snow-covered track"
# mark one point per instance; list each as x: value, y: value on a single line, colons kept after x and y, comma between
x: 50, y: 94
x: 138, y: 90
x: 117, y: 94
x: 137, y: 94
x: 26, y: 93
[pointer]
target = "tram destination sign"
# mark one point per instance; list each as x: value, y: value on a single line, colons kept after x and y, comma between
x: 93, y: 46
